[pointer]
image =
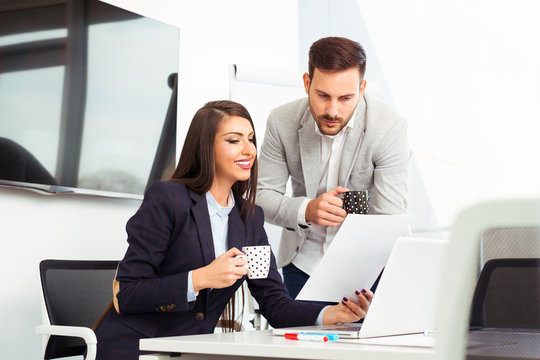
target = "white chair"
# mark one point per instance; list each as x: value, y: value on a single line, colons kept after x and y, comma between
x: 460, y: 264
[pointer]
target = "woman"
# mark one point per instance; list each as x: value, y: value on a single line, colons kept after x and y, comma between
x: 180, y: 269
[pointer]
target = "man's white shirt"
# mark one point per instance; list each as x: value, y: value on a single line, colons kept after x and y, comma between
x: 318, y: 237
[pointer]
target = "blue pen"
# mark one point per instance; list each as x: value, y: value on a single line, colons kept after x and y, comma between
x: 329, y: 336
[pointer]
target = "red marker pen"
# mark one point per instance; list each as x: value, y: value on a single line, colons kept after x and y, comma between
x: 306, y: 337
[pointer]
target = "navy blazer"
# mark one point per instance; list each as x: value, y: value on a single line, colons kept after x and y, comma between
x: 169, y: 236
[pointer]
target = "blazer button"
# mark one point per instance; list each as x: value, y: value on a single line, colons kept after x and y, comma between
x: 199, y: 316
x: 297, y: 248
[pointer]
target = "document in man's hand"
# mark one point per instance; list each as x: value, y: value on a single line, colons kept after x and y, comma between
x: 355, y: 257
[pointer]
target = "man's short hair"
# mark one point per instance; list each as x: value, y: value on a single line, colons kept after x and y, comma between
x: 336, y: 54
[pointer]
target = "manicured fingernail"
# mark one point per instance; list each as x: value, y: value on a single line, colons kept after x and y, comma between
x: 364, y: 290
x: 242, y: 252
x: 357, y: 292
x: 345, y: 299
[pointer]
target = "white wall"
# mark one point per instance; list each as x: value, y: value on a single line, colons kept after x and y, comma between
x: 34, y: 227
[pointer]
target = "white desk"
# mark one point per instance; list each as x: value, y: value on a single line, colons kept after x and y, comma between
x: 488, y: 344
x: 250, y: 345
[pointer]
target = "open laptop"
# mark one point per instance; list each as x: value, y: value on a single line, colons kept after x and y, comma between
x: 405, y: 299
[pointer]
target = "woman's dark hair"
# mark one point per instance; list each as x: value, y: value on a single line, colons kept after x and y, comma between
x: 336, y: 54
x: 196, y: 165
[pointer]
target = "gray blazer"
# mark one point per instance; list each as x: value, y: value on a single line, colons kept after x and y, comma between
x: 375, y: 157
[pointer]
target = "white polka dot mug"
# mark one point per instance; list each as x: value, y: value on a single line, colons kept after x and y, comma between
x: 258, y: 261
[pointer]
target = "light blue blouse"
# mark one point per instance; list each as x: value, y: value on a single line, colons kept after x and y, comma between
x: 219, y: 221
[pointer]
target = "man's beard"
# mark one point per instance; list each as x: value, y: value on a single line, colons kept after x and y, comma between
x: 320, y: 119
x: 333, y: 130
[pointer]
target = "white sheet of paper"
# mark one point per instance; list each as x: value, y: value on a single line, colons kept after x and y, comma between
x: 355, y: 257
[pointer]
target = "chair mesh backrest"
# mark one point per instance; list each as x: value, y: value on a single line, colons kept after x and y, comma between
x: 505, y: 243
x: 76, y: 293
x: 508, y: 294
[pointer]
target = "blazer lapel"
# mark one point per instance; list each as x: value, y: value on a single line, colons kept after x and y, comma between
x: 236, y: 234
x: 352, y: 145
x: 202, y: 220
x: 310, y: 153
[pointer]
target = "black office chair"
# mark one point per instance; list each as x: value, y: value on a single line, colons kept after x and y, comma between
x: 508, y: 295
x: 75, y: 294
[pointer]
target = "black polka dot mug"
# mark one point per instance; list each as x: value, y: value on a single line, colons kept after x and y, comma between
x: 356, y: 202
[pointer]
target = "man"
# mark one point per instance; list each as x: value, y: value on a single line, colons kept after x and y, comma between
x: 336, y: 139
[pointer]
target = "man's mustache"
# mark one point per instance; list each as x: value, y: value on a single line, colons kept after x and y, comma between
x: 331, y: 118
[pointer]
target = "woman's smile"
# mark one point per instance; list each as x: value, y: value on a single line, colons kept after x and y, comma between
x: 244, y: 164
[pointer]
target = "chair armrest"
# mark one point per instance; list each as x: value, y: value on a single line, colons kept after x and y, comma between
x: 85, y: 333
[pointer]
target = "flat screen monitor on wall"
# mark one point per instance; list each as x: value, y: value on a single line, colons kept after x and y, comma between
x: 87, y: 97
